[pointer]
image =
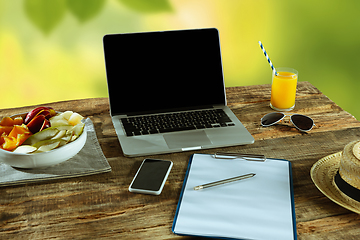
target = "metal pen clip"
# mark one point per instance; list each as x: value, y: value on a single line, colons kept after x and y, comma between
x: 248, y: 157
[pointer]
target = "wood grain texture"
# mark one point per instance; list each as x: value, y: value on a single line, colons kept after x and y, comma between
x: 101, y: 207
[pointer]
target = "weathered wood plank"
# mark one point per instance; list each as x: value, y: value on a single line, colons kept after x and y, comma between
x: 100, y: 206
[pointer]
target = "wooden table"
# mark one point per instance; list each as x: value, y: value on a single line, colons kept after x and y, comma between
x: 100, y: 206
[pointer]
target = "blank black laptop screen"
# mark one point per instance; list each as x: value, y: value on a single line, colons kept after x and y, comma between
x: 157, y: 71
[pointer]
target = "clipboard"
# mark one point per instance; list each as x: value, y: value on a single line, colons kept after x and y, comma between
x: 258, y: 208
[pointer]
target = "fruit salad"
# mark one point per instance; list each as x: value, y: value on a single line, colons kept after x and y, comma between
x: 41, y: 130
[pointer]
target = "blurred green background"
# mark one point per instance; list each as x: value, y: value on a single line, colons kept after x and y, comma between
x: 51, y: 50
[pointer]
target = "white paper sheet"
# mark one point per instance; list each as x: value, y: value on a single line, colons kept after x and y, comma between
x: 255, y: 208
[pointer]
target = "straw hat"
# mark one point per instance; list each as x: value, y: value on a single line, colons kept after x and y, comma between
x: 337, y: 176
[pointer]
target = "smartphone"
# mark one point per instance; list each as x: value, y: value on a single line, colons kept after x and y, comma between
x: 151, y: 176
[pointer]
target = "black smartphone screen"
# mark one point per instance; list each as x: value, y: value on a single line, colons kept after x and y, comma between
x: 151, y: 175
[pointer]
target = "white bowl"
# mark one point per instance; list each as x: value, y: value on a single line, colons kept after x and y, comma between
x: 44, y: 159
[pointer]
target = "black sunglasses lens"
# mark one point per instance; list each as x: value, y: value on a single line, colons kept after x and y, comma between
x: 271, y: 118
x: 302, y: 122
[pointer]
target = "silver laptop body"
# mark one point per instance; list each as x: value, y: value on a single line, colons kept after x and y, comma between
x: 168, y: 72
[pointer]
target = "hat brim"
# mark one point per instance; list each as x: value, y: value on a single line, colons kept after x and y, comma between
x: 322, y: 174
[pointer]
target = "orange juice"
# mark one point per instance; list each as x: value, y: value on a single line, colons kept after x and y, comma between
x: 283, y: 89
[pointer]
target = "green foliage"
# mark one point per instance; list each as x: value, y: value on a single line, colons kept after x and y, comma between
x: 84, y: 10
x: 318, y: 38
x: 147, y: 6
x: 45, y: 14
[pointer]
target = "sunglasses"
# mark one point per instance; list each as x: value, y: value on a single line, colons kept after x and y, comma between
x: 301, y: 122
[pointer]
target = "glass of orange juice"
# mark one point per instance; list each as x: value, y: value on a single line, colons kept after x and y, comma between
x: 283, y: 89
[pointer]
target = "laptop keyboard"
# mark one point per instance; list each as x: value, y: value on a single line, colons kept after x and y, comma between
x: 173, y: 122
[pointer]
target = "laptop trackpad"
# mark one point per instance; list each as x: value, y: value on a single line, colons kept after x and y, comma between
x: 188, y: 139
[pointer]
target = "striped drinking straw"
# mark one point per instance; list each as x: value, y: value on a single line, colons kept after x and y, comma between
x: 267, y: 57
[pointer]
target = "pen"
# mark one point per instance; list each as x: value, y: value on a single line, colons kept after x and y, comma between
x: 229, y: 180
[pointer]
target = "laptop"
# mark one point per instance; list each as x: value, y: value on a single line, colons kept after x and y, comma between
x: 163, y: 86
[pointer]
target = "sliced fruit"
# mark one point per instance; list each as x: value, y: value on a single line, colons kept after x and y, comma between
x: 64, y: 127
x: 48, y: 113
x: 78, y: 129
x: 52, y: 113
x: 68, y: 136
x: 18, y: 121
x: 74, y: 137
x: 15, y: 138
x: 48, y: 147
x: 44, y: 130
x: 75, y: 118
x: 7, y: 121
x: 41, y: 136
x: 21, y: 138
x: 25, y: 149
x: 45, y: 142
x: 2, y: 140
x: 60, y: 134
x: 37, y: 119
x: 36, y: 123
x: 58, y: 120
x: 16, y: 130
x: 45, y: 125
x: 41, y: 128
x: 64, y: 132
x: 9, y: 144
x: 30, y: 115
x: 66, y: 115
x: 5, y: 130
